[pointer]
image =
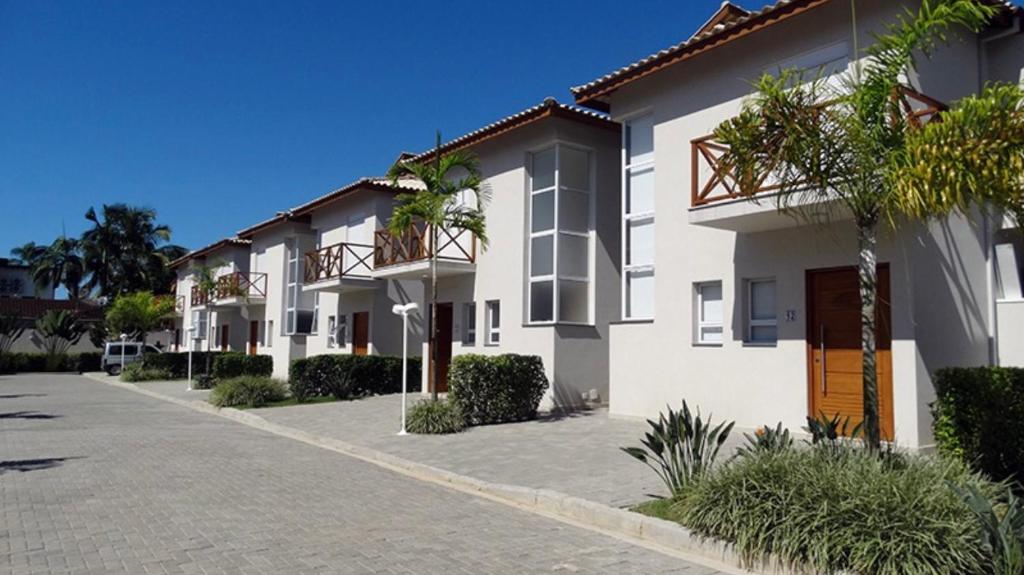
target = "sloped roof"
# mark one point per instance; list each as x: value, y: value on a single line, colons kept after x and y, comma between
x: 729, y: 23
x: 206, y: 250
x: 33, y: 308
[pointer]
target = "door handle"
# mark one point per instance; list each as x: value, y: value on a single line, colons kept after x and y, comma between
x: 821, y: 346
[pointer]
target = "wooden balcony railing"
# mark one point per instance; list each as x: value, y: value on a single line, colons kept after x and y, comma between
x: 714, y: 180
x: 339, y: 261
x: 416, y: 244
x: 235, y: 284
x: 199, y: 296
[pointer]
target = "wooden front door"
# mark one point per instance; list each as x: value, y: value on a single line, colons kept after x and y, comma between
x: 442, y: 352
x: 254, y: 336
x: 834, y: 348
x: 361, y: 333
x: 224, y: 339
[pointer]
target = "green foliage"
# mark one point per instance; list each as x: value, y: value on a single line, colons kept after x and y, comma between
x: 247, y: 391
x: 11, y: 328
x: 346, y: 376
x: 766, y: 439
x: 681, y: 447
x: 176, y: 363
x: 497, y: 389
x: 832, y: 434
x: 60, y: 329
x: 135, y: 372
x: 979, y: 417
x: 851, y: 512
x: 16, y: 362
x: 137, y: 314
x: 435, y: 416
x: 234, y: 364
x: 1002, y: 527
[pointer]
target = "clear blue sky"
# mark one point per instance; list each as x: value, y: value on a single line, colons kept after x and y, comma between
x: 218, y: 114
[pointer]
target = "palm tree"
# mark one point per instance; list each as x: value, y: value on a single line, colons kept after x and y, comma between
x: 60, y: 265
x: 848, y: 148
x: 438, y: 205
x: 28, y: 253
x: 11, y: 328
x: 60, y: 330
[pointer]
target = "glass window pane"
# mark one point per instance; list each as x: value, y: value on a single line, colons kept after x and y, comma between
x: 640, y: 139
x: 573, y: 211
x: 640, y: 242
x: 575, y: 168
x: 711, y: 335
x: 640, y: 192
x: 543, y: 169
x: 640, y: 294
x: 543, y: 212
x: 542, y: 252
x: 711, y: 303
x: 573, y: 257
x: 573, y: 301
x: 763, y: 333
x: 762, y: 300
x: 542, y: 301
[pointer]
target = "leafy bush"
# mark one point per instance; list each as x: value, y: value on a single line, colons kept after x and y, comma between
x: 766, y: 439
x: 1002, y: 530
x: 979, y: 417
x: 497, y: 389
x: 346, y: 376
x: 680, y: 447
x: 176, y: 363
x: 247, y: 391
x: 847, y: 511
x: 203, y: 381
x: 435, y: 417
x: 88, y: 361
x: 135, y: 372
x: 14, y: 362
x: 832, y: 434
x: 235, y: 364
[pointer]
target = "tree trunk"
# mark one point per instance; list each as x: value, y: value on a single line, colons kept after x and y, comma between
x: 868, y: 280
x: 433, y: 312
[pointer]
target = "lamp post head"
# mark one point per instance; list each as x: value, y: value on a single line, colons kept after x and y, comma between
x: 399, y: 309
x: 124, y: 336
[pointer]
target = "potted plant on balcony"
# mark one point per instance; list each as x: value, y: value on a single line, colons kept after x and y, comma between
x: 445, y: 177
x: 862, y: 152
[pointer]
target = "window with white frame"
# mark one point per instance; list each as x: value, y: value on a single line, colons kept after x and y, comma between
x: 316, y: 314
x: 332, y: 330
x: 200, y: 321
x: 708, y: 313
x: 493, y: 322
x: 270, y: 333
x: 638, y: 218
x: 341, y: 337
x: 469, y: 323
x: 561, y: 200
x: 762, y: 320
x: 299, y: 318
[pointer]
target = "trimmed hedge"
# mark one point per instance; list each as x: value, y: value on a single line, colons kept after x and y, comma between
x: 497, y: 389
x: 346, y: 376
x: 36, y: 361
x: 176, y: 363
x: 979, y: 417
x: 235, y: 364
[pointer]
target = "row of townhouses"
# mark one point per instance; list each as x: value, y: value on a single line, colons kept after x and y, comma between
x: 621, y: 253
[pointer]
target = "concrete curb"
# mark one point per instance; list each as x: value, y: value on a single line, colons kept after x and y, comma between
x: 658, y: 534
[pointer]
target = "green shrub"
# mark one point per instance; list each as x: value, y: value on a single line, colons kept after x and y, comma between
x: 435, y: 417
x: 15, y: 362
x: 176, y: 363
x: 1002, y: 527
x: 88, y: 361
x: 846, y: 511
x: 497, y: 389
x: 247, y: 391
x: 135, y: 372
x: 235, y: 364
x: 766, y: 439
x: 681, y: 447
x: 979, y: 417
x: 346, y: 376
x: 203, y: 381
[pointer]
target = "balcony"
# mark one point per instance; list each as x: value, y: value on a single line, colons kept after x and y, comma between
x: 716, y: 197
x: 409, y: 254
x: 343, y: 267
x: 236, y: 289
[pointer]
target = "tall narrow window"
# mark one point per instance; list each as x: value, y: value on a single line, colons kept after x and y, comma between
x: 469, y: 324
x: 708, y: 312
x: 200, y: 323
x: 762, y: 322
x: 270, y: 333
x: 638, y: 218
x: 561, y: 189
x: 342, y: 336
x: 332, y: 330
x: 292, y: 295
x: 493, y: 322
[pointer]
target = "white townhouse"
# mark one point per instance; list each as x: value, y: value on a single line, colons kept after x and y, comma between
x: 322, y: 296
x: 226, y: 318
x: 752, y: 314
x: 547, y: 284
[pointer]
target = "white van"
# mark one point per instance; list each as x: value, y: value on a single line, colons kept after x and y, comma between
x: 133, y: 351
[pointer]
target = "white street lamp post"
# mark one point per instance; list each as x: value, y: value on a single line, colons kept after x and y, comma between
x: 191, y: 343
x: 124, y: 337
x: 404, y: 310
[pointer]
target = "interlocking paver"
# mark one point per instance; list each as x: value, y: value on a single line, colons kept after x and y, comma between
x: 118, y: 482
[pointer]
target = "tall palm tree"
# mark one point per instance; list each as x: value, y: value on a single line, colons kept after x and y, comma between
x: 854, y: 153
x: 28, y: 253
x: 61, y: 265
x: 438, y: 205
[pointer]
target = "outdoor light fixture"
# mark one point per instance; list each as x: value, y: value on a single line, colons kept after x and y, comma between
x: 404, y: 311
x: 191, y: 340
x: 124, y: 337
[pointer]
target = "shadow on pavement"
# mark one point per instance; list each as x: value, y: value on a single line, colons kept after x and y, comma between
x: 28, y: 415
x: 17, y: 395
x: 24, y: 465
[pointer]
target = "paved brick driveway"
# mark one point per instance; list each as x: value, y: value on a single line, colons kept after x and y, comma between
x: 96, y: 479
